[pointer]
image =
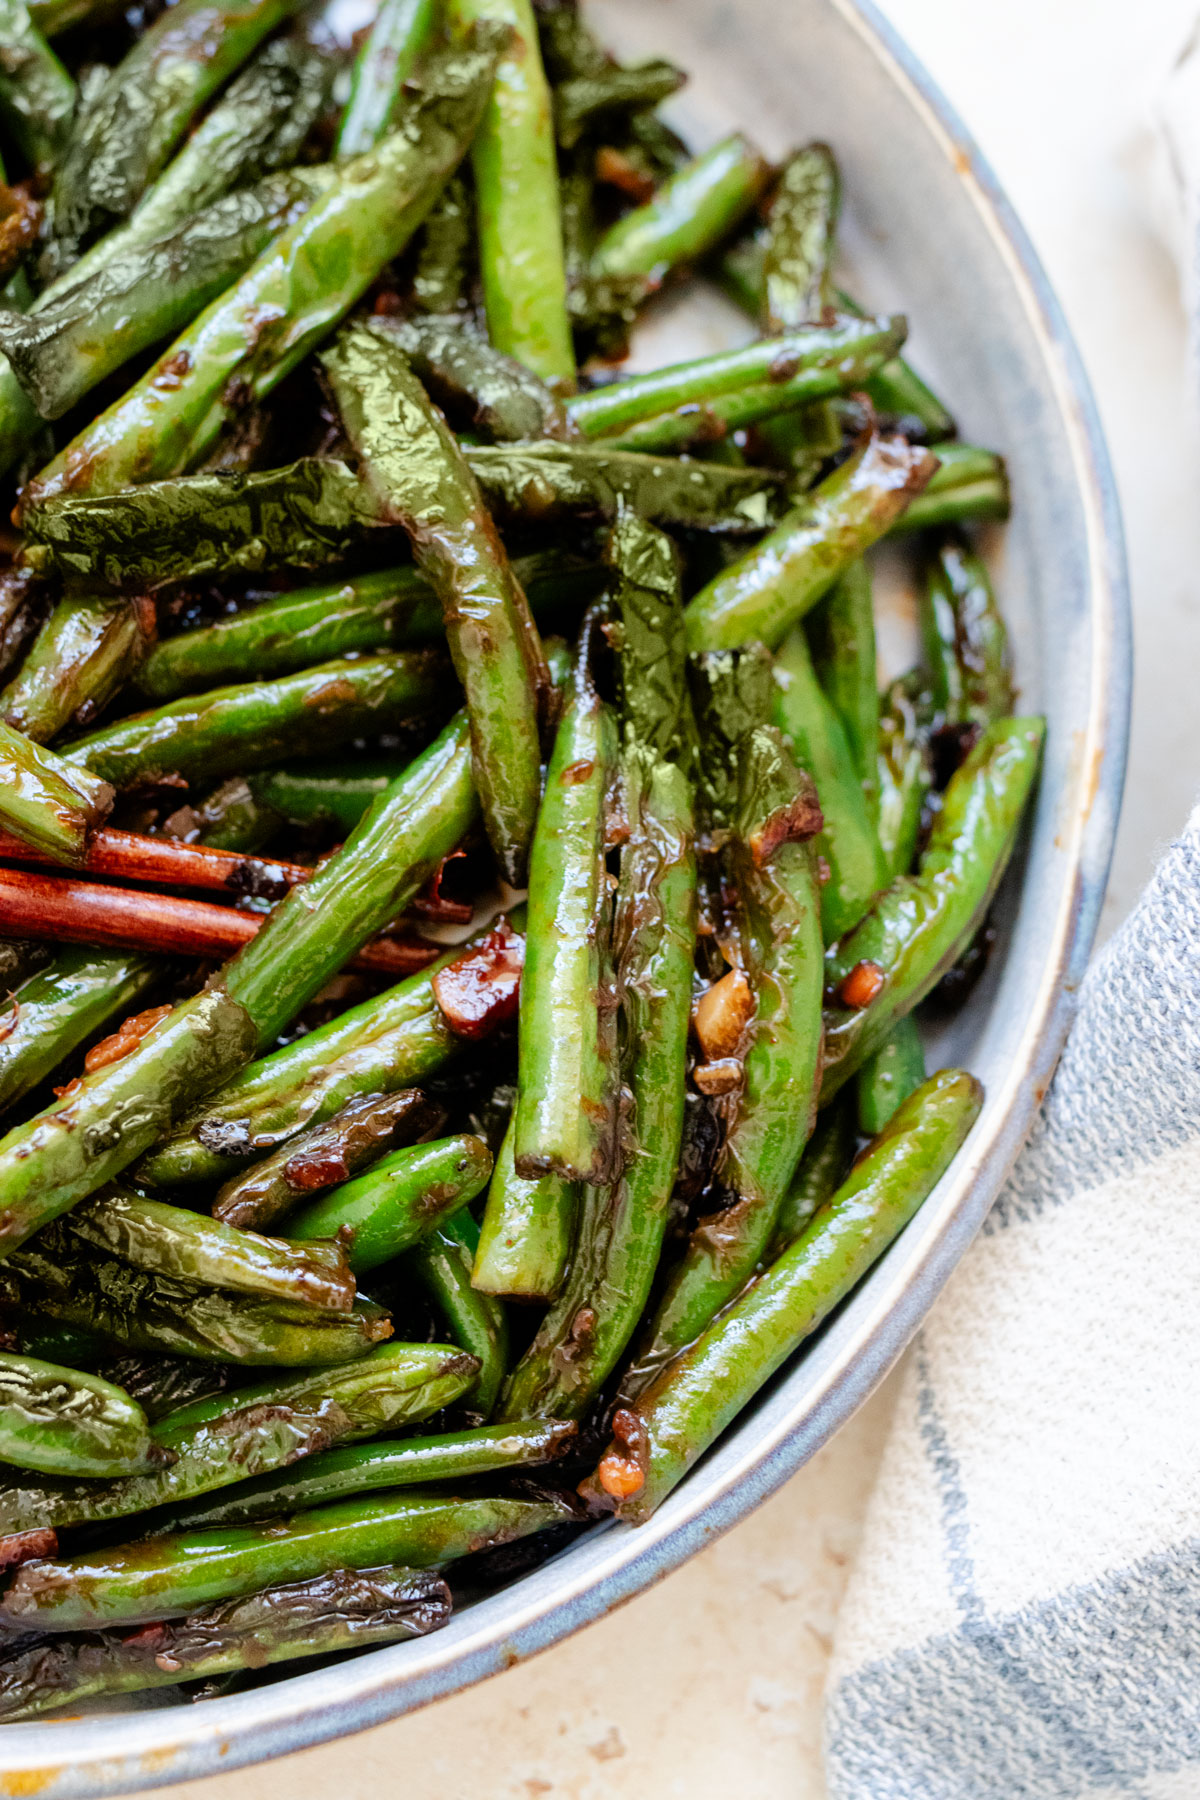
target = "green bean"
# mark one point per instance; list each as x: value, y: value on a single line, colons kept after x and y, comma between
x: 441, y: 1261
x: 445, y: 248
x: 539, y: 484
x: 889, y: 1075
x: 313, y: 512
x: 322, y: 1157
x: 566, y: 1098
x: 413, y: 464
x: 60, y: 1007
x: 667, y: 409
x: 71, y: 1149
x: 475, y: 384
x: 847, y: 839
x: 732, y: 693
x: 693, y: 1401
x: 159, y: 1384
x: 516, y: 180
x: 966, y: 643
x: 400, y: 1201
x: 239, y: 728
x: 125, y: 135
x: 584, y: 102
x: 401, y: 31
x: 64, y: 348
x: 621, y: 1227
x: 360, y: 1468
x: 826, y: 1162
x: 841, y: 632
x: 343, y: 1610
x: 798, y: 247
x: 391, y: 609
x: 382, y: 1045
x: 693, y: 210
x: 70, y: 1281
x: 917, y: 926
x: 771, y: 588
x: 169, y: 1240
x: 86, y: 651
x: 968, y: 485
x: 46, y: 801
x: 905, y: 778
x: 525, y: 1237
x: 62, y: 1422
x: 773, y: 867
x: 651, y: 651
x: 226, y: 1438
x: 22, y: 593
x: 899, y: 391
x: 304, y: 282
x: 167, y: 1577
x: 37, y: 96
x: 259, y: 124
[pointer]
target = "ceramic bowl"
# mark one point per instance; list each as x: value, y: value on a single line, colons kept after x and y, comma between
x: 927, y: 231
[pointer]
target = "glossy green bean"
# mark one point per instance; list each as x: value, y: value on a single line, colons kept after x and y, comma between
x: 37, y: 95
x: 773, y: 869
x: 847, y: 840
x: 965, y: 639
x: 798, y: 244
x: 771, y: 588
x: 126, y: 133
x: 62, y: 1276
x: 384, y: 1044
x: 393, y: 609
x: 478, y: 386
x: 441, y: 1261
x: 918, y: 925
x: 698, y: 402
x: 694, y: 1400
x: 516, y: 182
x: 525, y: 1235
x: 566, y: 1094
x: 969, y: 485
x: 238, y: 728
x: 841, y: 633
x: 400, y: 32
x: 84, y: 654
x: 619, y: 1241
x: 400, y: 1201
x: 889, y: 1075
x: 61, y: 1007
x: 166, y: 1577
x: 148, y: 293
x: 360, y: 1468
x: 826, y: 1162
x: 62, y: 1422
x: 689, y: 215
x: 413, y: 464
x: 227, y: 1438
x: 344, y: 1610
x: 322, y: 1157
x: 48, y: 802
x: 170, y: 1240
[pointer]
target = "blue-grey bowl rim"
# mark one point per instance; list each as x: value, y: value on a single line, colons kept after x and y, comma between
x: 116, y: 1755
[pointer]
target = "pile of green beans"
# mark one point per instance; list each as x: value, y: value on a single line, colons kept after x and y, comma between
x: 521, y: 721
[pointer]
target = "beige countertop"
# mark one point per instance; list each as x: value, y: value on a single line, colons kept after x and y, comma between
x: 710, y: 1685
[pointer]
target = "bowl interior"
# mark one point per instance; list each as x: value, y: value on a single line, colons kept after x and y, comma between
x: 924, y: 232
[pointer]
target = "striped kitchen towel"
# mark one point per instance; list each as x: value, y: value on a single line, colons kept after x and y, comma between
x: 1023, y: 1622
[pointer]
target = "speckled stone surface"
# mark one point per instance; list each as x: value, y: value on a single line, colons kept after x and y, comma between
x: 709, y: 1686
